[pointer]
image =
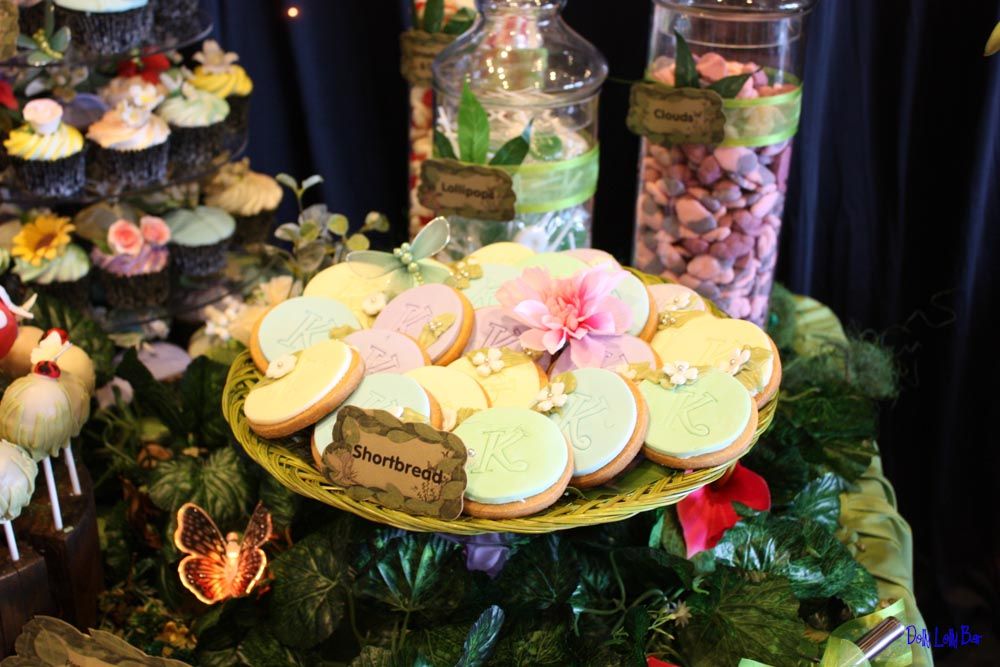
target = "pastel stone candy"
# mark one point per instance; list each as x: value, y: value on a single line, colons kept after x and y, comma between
x: 708, y: 217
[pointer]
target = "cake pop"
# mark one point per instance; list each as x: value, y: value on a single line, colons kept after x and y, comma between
x: 17, y: 482
x: 36, y: 413
x: 9, y: 315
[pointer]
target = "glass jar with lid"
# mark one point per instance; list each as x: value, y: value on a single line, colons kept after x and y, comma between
x: 528, y: 69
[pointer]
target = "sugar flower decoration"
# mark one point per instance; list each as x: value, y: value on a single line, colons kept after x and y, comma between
x: 708, y: 512
x: 680, y: 301
x: 551, y: 397
x: 680, y: 373
x: 125, y: 238
x: 626, y: 371
x: 576, y: 311
x: 43, y: 115
x: 220, y: 318
x: 133, y: 116
x: 281, y: 366
x: 736, y: 361
x: 488, y: 362
x: 43, y: 239
x: 214, y: 59
x: 48, y: 348
x: 144, y: 96
x: 154, y: 230
x: 373, y: 304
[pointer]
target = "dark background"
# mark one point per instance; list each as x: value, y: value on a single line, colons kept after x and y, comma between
x: 893, y: 213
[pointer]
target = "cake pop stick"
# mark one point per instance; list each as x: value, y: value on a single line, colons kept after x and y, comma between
x: 17, y: 482
x: 50, y: 483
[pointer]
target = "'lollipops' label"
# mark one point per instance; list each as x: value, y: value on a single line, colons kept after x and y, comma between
x: 449, y: 187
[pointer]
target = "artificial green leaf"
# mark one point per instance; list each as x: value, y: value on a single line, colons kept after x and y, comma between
x: 644, y: 567
x: 337, y: 224
x: 728, y: 86
x: 288, y: 181
x: 541, y: 575
x: 262, y: 649
x: 357, y: 242
x: 482, y: 636
x: 461, y: 21
x: 279, y: 501
x: 529, y: 647
x: 313, y: 180
x: 379, y: 656
x: 83, y: 331
x: 512, y: 153
x: 218, y: 484
x: 411, y: 572
x: 685, y: 71
x: 743, y: 617
x: 433, y: 15
x: 287, y: 232
x: 547, y: 146
x: 779, y: 461
x: 151, y: 397
x: 473, y: 128
x: 26, y: 42
x: 666, y: 533
x: 201, y: 392
x: 596, y: 588
x: 819, y: 501
x: 309, y: 231
x: 637, y: 626
x: 311, y: 583
x: 442, y: 644
x: 443, y: 147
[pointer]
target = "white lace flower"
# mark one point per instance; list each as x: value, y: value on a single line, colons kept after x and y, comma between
x: 736, y: 361
x: 680, y: 372
x: 281, y: 366
x: 488, y: 362
x: 373, y: 304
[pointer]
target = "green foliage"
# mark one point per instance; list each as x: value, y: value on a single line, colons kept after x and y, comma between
x: 541, y: 575
x: 279, y: 501
x: 728, y: 86
x: 481, y: 638
x: 151, y: 397
x: 220, y: 485
x: 201, y: 388
x: 473, y: 128
x: 83, y: 332
x: 512, y: 153
x: 685, y: 72
x: 819, y: 501
x: 433, y: 15
x: 781, y: 320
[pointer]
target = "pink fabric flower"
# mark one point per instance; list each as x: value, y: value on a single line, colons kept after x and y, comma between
x: 125, y: 238
x: 708, y: 512
x: 154, y: 230
x: 578, y: 310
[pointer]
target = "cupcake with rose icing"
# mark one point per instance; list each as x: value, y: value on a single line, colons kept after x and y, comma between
x: 250, y: 197
x: 48, y: 262
x: 197, y: 121
x: 46, y: 153
x: 106, y: 27
x: 199, y: 238
x: 130, y: 141
x: 133, y: 263
x: 219, y: 75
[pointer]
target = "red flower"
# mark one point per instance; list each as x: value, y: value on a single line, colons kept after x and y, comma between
x: 148, y: 67
x: 656, y: 662
x: 7, y: 98
x: 708, y: 512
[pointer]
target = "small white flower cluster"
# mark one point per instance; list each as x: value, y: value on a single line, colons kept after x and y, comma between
x: 488, y: 362
x: 680, y: 301
x: 281, y: 366
x: 373, y: 304
x: 736, y: 361
x: 218, y: 319
x: 680, y: 373
x: 551, y: 397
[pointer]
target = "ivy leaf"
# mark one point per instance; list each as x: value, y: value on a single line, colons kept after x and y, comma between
x: 411, y: 572
x: 741, y: 617
x: 443, y: 147
x: 84, y: 332
x: 433, y: 15
x: 482, y: 636
x: 637, y: 626
x: 728, y: 86
x: 201, y: 392
x: 666, y: 533
x: 461, y: 21
x: 644, y: 567
x: 151, y: 397
x: 541, y: 575
x: 217, y: 484
x: 357, y: 242
x: 262, y: 649
x: 379, y: 656
x: 532, y: 646
x: 596, y: 587
x: 279, y: 501
x: 311, y: 582
x: 685, y: 72
x: 473, y: 128
x: 512, y: 153
x: 819, y: 500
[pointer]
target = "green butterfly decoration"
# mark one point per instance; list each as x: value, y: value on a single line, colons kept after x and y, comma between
x: 408, y: 266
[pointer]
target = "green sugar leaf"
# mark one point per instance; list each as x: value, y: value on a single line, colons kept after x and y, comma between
x: 685, y: 73
x: 433, y: 15
x: 443, y: 147
x: 473, y: 128
x: 727, y: 87
x: 512, y: 153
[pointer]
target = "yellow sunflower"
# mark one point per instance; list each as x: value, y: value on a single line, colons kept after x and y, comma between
x: 44, y: 238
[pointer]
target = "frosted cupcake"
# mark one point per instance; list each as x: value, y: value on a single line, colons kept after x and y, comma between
x: 251, y: 198
x: 133, y: 264
x: 48, y: 262
x: 219, y: 75
x: 46, y: 153
x: 197, y: 121
x: 200, y: 238
x: 106, y: 27
x: 130, y: 142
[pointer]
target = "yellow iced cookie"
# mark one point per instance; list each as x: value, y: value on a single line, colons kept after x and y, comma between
x: 453, y: 389
x: 510, y: 379
x: 502, y: 252
x: 351, y: 284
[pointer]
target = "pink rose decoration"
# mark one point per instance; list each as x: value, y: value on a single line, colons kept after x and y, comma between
x: 154, y: 230
x: 578, y: 310
x: 125, y: 238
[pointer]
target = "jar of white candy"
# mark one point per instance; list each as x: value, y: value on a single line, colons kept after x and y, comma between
x: 535, y: 79
x: 711, y: 197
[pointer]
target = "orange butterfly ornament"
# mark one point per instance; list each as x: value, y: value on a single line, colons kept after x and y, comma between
x: 216, y: 568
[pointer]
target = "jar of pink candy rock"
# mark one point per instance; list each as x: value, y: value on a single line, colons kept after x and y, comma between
x: 708, y: 213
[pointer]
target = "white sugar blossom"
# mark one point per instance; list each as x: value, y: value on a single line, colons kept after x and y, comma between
x: 680, y: 372
x: 214, y: 59
x: 551, y: 397
x: 735, y: 362
x: 626, y: 371
x: 680, y: 301
x: 373, y: 304
x: 281, y: 366
x: 220, y: 318
x: 489, y: 362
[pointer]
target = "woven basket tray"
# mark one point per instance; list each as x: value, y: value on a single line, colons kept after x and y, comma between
x: 645, y: 487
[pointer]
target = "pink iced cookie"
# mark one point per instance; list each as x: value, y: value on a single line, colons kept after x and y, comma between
x: 618, y: 350
x: 439, y: 314
x: 385, y: 351
x: 493, y: 328
x: 670, y: 297
x: 592, y: 256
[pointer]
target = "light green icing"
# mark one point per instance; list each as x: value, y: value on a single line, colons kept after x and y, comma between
x: 36, y: 414
x: 101, y: 6
x: 194, y: 108
x: 514, y: 453
x: 558, y: 265
x: 698, y: 418
x: 17, y: 480
x: 598, y: 419
x: 633, y: 294
x: 482, y: 292
x: 201, y: 226
x: 297, y: 323
x: 72, y: 265
x: 379, y: 391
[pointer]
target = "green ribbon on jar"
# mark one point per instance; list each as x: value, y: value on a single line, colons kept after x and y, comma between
x: 763, y: 121
x: 542, y: 187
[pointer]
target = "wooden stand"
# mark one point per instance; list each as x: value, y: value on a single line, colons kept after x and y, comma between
x: 24, y: 592
x: 72, y: 555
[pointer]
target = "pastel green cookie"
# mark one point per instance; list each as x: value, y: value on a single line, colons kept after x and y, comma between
x: 297, y: 323
x: 701, y: 417
x: 482, y: 292
x: 514, y: 453
x: 599, y: 418
x: 557, y: 264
